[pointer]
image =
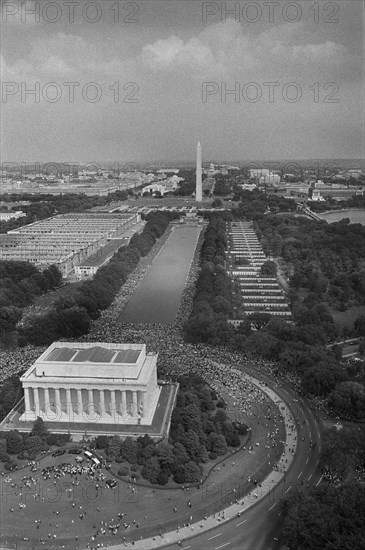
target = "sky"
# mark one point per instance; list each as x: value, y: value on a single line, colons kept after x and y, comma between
x: 145, y: 80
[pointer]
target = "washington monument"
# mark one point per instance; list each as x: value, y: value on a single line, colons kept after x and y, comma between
x: 199, y: 186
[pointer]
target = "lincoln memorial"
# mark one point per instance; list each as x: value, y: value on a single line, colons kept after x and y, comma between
x: 92, y: 382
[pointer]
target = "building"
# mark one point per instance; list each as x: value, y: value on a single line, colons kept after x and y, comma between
x: 258, y: 172
x: 168, y: 171
x: 256, y: 293
x: 270, y: 178
x: 65, y: 240
x: 168, y: 185
x: 90, y: 266
x: 92, y: 382
x: 297, y: 191
x: 7, y: 215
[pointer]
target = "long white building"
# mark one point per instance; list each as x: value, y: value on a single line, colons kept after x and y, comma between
x: 65, y: 240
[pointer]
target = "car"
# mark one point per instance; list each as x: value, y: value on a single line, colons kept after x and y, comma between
x: 59, y: 453
x: 111, y: 483
x: 75, y: 451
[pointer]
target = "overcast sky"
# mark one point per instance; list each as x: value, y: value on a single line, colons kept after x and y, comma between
x: 168, y: 52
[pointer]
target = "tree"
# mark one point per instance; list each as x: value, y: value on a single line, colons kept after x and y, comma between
x: 15, y: 442
x: 191, y: 443
x: 322, y: 378
x: 188, y: 473
x: 73, y: 322
x: 327, y: 518
x: 102, y: 442
x: 360, y: 326
x: 348, y: 398
x: 165, y: 455
x: 163, y: 477
x: 39, y: 428
x: 268, y: 269
x: 128, y: 450
x: 151, y: 470
x: 264, y: 344
x: 114, y: 446
x: 218, y: 444
x: 203, y: 454
x: 34, y: 444
x: 259, y: 320
x: 181, y: 456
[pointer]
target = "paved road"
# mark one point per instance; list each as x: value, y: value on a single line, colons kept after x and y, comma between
x: 257, y: 527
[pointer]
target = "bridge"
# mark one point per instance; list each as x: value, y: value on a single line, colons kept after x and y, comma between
x: 307, y: 211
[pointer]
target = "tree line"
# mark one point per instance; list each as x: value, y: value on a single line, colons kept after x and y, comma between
x: 20, y: 284
x: 212, y: 303
x: 27, y: 446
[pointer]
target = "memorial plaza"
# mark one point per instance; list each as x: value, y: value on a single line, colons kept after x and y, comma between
x: 98, y: 388
x: 66, y: 239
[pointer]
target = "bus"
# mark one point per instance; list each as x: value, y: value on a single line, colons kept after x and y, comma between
x: 93, y: 458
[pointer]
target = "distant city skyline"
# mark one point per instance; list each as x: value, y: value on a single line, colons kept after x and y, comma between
x: 150, y: 87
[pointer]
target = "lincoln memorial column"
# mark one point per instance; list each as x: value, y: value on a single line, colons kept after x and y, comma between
x: 124, y: 404
x: 102, y: 402
x: 36, y: 401
x: 47, y: 405
x: 58, y: 401
x: 112, y: 403
x: 141, y: 403
x: 91, y: 403
x: 26, y: 400
x: 135, y: 406
x: 79, y: 403
x: 69, y: 405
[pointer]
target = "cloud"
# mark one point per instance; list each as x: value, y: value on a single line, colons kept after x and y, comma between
x: 17, y: 71
x: 225, y: 49
x: 173, y: 52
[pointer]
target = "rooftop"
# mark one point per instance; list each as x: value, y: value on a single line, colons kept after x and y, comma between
x: 94, y: 354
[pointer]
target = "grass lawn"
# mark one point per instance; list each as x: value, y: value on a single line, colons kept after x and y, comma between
x: 347, y: 318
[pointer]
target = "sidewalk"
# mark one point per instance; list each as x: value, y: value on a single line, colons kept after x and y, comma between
x: 249, y: 500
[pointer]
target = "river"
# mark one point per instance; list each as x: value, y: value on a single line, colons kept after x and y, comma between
x: 355, y: 215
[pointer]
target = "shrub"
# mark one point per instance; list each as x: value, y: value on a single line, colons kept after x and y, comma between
x: 213, y: 456
x: 10, y: 465
x: 4, y: 457
x: 123, y: 472
x: 102, y: 442
x: 163, y: 477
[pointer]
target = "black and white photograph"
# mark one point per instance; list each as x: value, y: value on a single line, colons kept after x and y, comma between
x: 182, y: 275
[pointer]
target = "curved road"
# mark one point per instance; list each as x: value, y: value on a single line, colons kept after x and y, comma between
x: 258, y: 527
